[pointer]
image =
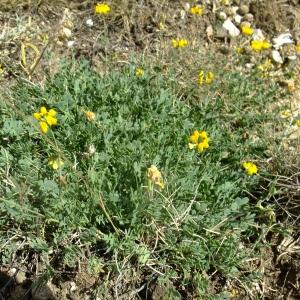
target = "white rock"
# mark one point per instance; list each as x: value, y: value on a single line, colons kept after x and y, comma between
x: 20, y: 277
x: 282, y: 39
x: 234, y: 9
x: 238, y: 19
x: 70, y: 44
x: 187, y: 6
x: 277, y: 56
x: 258, y: 35
x: 12, y: 272
x: 89, y: 22
x: 66, y: 32
x: 182, y: 14
x: 73, y: 287
x: 222, y: 15
x: 292, y: 57
x: 249, y: 65
x: 231, y: 28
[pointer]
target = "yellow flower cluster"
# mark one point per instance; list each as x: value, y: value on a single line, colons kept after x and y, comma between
x: 179, y: 43
x: 205, y: 78
x: 247, y: 30
x: 46, y: 118
x: 199, y: 140
x: 102, y: 8
x: 260, y: 45
x: 298, y: 122
x: 139, y: 72
x: 155, y: 177
x: 196, y: 10
x: 250, y: 168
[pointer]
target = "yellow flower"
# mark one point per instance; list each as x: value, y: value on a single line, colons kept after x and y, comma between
x: 90, y: 116
x: 102, y: 9
x: 205, y: 78
x: 265, y: 45
x: 260, y: 45
x: 209, y: 77
x: 155, y: 177
x: 298, y: 47
x: 298, y: 122
x: 250, y: 168
x: 55, y: 163
x: 196, y: 10
x: 44, y: 126
x: 46, y: 118
x: 179, y: 43
x: 247, y: 30
x: 199, y: 140
x: 256, y: 45
x: 43, y: 110
x: 139, y: 72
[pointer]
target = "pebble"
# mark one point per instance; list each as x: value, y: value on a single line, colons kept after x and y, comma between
x: 277, y: 57
x: 222, y: 15
x: 231, y: 28
x: 89, y: 22
x: 282, y: 39
x: 20, y: 277
x: 238, y: 19
x: 243, y: 10
x: 12, y: 272
x: 258, y: 35
x: 249, y: 17
x: 66, y: 32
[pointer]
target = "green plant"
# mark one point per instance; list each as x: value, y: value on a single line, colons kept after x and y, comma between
x: 99, y: 198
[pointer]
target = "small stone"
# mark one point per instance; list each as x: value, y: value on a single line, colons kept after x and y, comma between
x: 12, y: 272
x: 209, y: 31
x: 277, y: 57
x: 70, y: 44
x: 238, y: 19
x: 182, y: 14
x: 282, y: 39
x: 231, y: 28
x: 292, y: 57
x: 66, y: 32
x: 20, y: 277
x: 73, y: 287
x: 249, y: 17
x: 249, y: 65
x: 243, y: 10
x: 222, y: 15
x: 258, y: 35
x: 89, y: 22
x: 187, y: 6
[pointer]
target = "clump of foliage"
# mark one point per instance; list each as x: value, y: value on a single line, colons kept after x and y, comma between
x: 110, y: 129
